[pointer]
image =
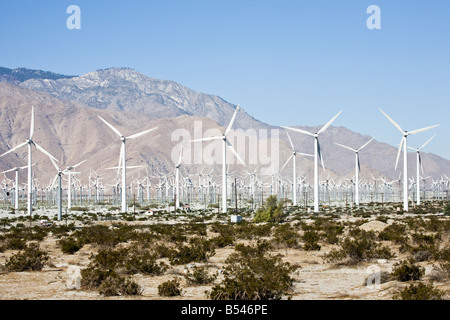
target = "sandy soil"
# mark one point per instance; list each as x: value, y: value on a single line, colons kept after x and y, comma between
x: 315, y: 279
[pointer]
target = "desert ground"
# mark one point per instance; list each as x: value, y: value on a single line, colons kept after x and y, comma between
x: 315, y: 278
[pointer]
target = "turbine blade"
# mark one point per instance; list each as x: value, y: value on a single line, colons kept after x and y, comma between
x: 305, y: 154
x: 13, y: 169
x: 420, y: 162
x: 54, y: 164
x: 15, y: 148
x: 235, y: 152
x: 287, y: 162
x: 134, y: 136
x: 364, y: 145
x: 346, y: 147
x: 299, y: 130
x: 392, y: 121
x: 399, y: 152
x: 292, y: 145
x: 427, y: 142
x: 112, y: 128
x: 208, y: 139
x: 232, y: 121
x: 44, y: 151
x: 423, y: 129
x: 32, y: 123
x: 320, y: 155
x: 325, y: 127
x: 179, y: 158
x: 359, y: 165
x: 53, y: 183
x: 78, y: 164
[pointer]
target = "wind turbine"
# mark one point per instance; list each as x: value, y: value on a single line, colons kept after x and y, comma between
x: 16, y: 194
x: 224, y: 157
x: 405, y: 158
x: 317, y: 154
x: 69, y: 172
x: 357, y: 167
x: 419, y: 164
x: 59, y: 194
x: 177, y: 180
x: 294, y: 175
x: 29, y: 141
x: 122, y: 159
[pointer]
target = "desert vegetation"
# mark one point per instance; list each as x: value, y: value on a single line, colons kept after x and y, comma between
x: 276, y: 252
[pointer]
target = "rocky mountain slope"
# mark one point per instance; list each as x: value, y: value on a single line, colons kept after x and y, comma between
x: 67, y: 125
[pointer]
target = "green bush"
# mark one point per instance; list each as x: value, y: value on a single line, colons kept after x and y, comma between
x: 198, y: 250
x: 143, y: 262
x: 310, y: 239
x: 69, y: 245
x: 407, y: 270
x: 199, y: 275
x: 420, y: 291
x: 286, y: 235
x: 30, y: 259
x: 271, y: 211
x: 252, y: 274
x: 170, y: 288
x: 359, y: 248
x: 115, y: 285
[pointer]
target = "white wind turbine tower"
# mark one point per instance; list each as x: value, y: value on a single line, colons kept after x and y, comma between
x: 16, y: 193
x: 69, y: 172
x: 177, y: 179
x: 317, y: 154
x: 419, y: 164
x: 122, y: 159
x: 29, y: 141
x: 357, y: 167
x: 59, y: 194
x: 294, y: 175
x: 224, y: 156
x: 405, y: 158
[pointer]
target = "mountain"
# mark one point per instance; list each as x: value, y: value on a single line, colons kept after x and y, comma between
x: 67, y: 110
x: 124, y: 89
x: 19, y: 75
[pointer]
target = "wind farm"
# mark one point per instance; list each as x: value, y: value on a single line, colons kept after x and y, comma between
x: 192, y: 151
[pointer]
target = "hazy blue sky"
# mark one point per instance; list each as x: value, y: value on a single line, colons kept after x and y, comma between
x: 285, y: 62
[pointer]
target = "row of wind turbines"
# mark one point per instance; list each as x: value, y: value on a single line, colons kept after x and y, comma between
x: 122, y: 168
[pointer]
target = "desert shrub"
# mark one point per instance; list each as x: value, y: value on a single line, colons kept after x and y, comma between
x: 170, y: 288
x: 286, y: 235
x: 69, y: 245
x: 199, y: 275
x: 223, y: 240
x: 30, y: 259
x: 252, y: 274
x: 421, y: 238
x: 407, y: 270
x: 310, y: 239
x: 247, y: 230
x: 198, y: 250
x: 97, y: 234
x: 14, y: 243
x: 271, y: 211
x: 447, y: 209
x: 394, y: 232
x: 116, y: 285
x: 440, y: 273
x: 144, y: 262
x: 420, y: 291
x: 92, y: 276
x: 196, y: 228
x: 361, y: 247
